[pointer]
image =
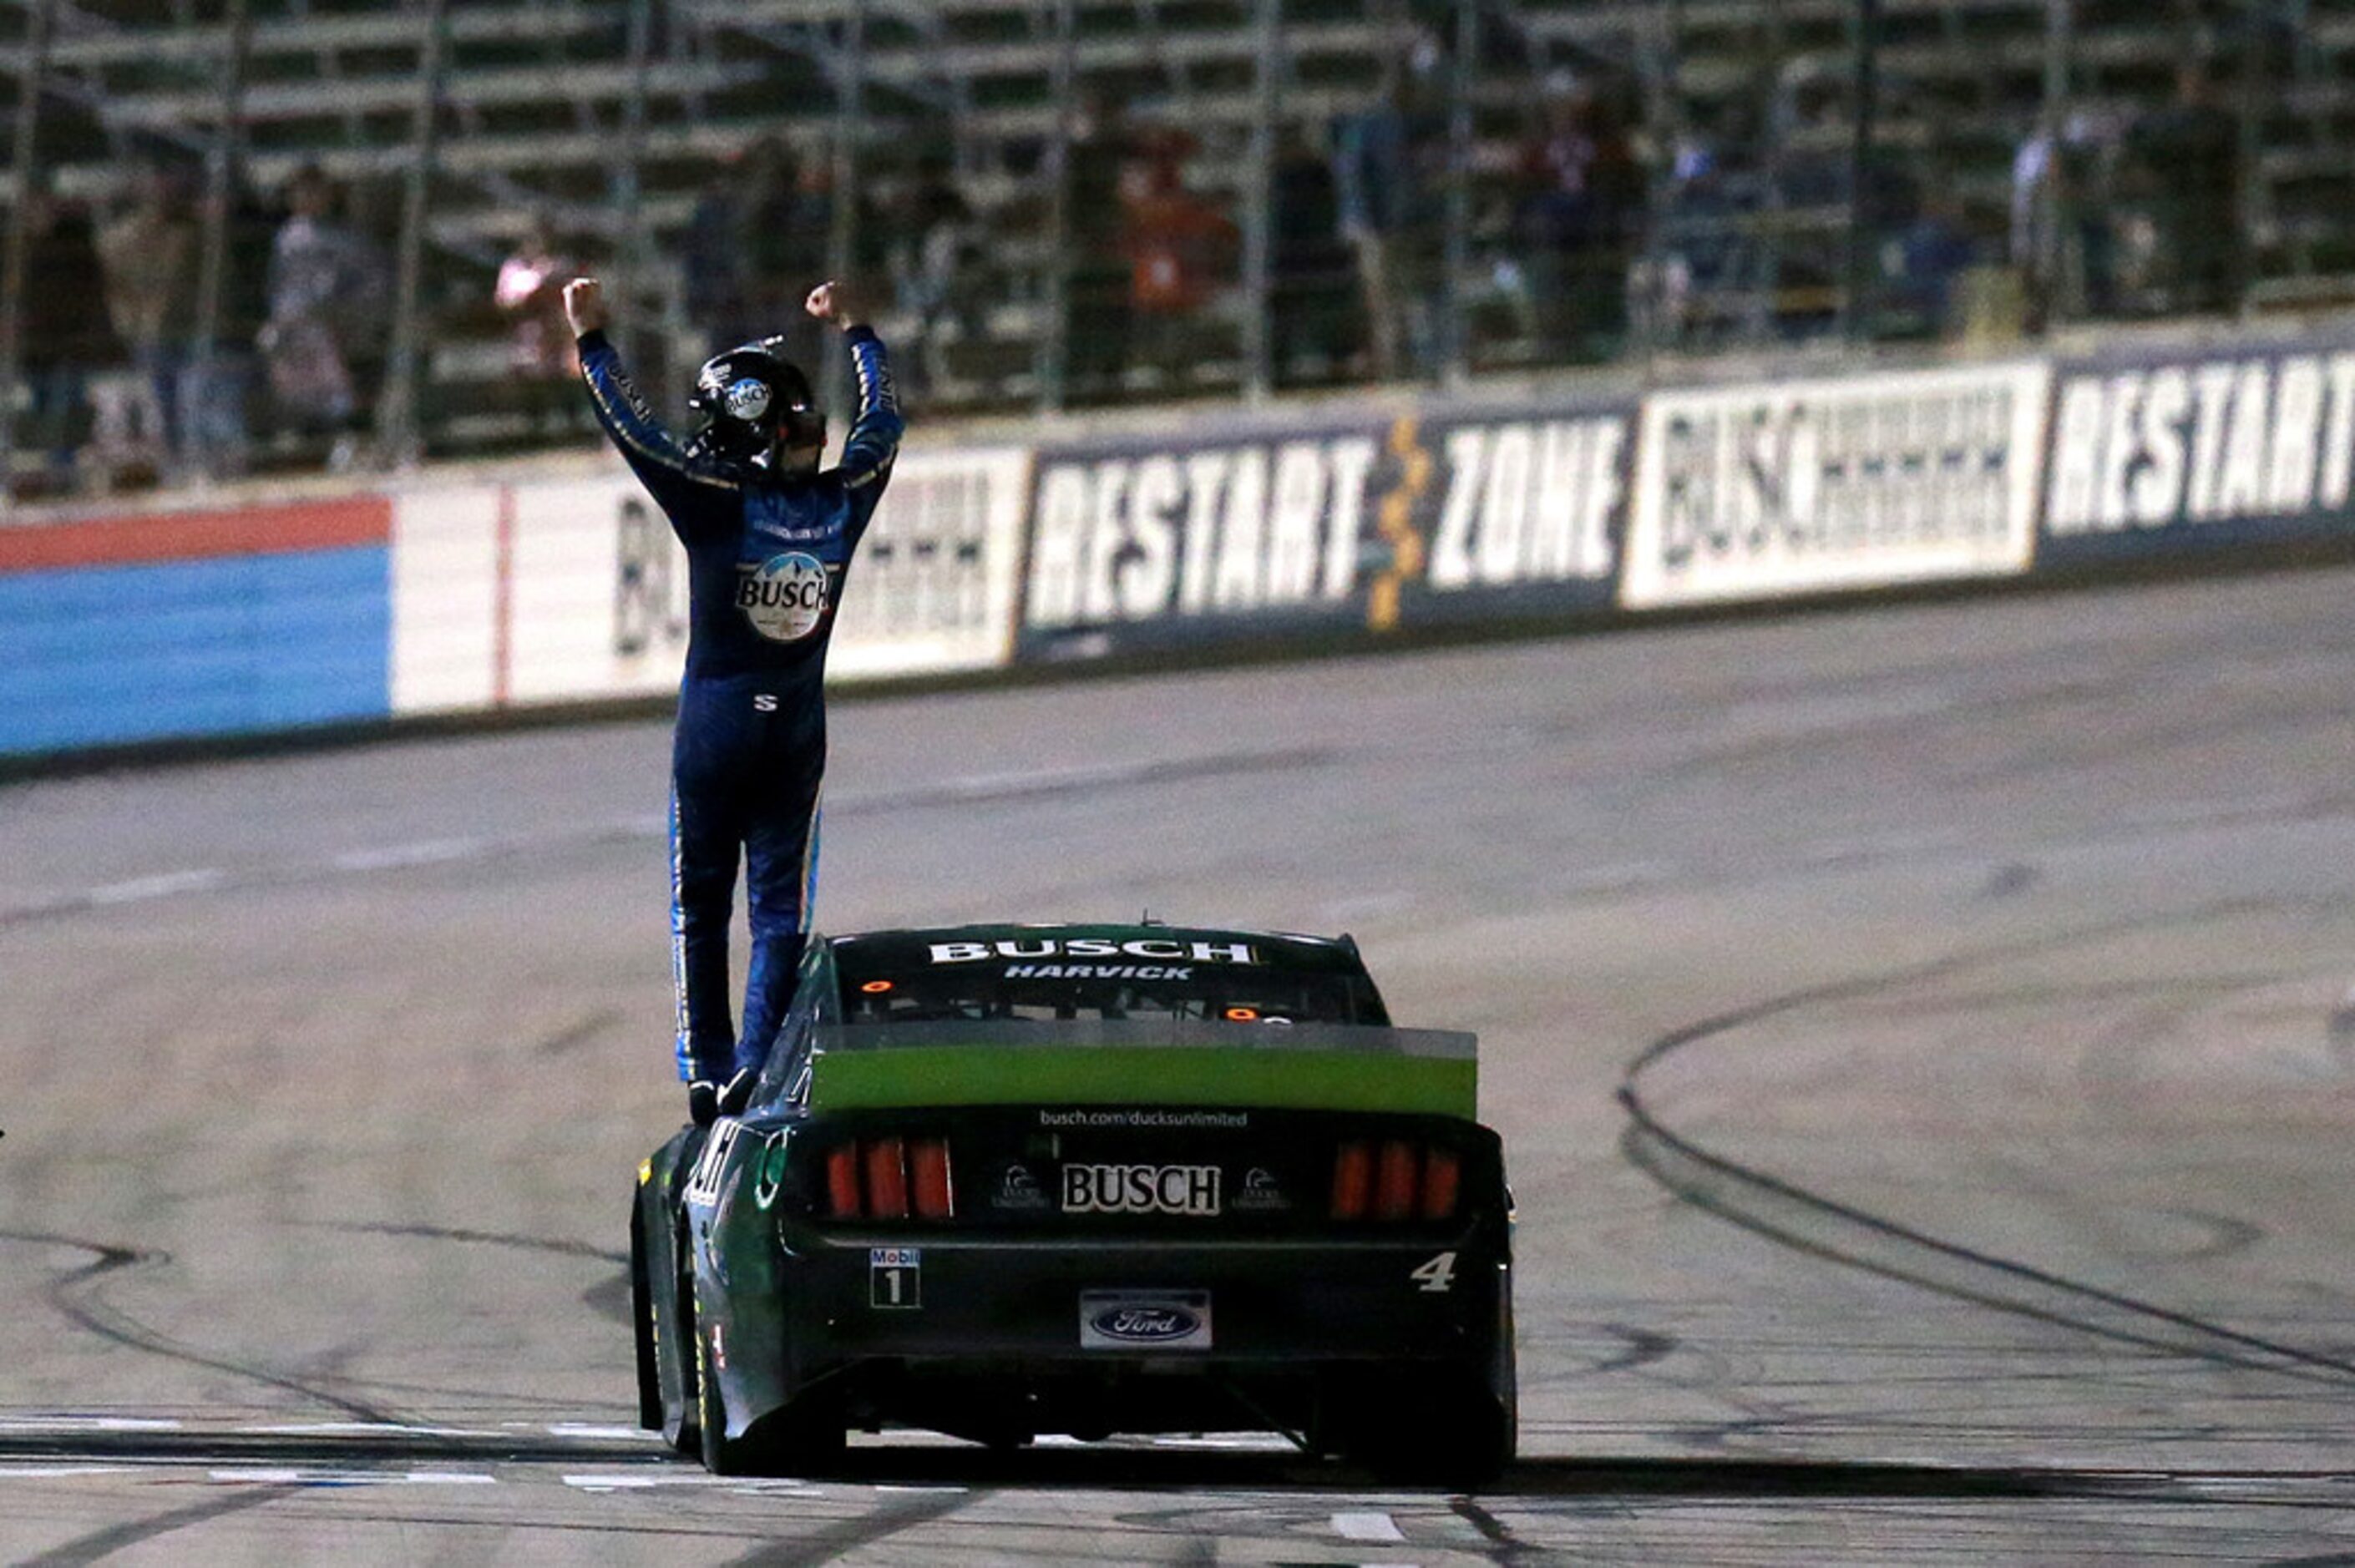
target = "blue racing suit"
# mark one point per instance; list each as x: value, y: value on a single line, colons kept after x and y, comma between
x: 767, y: 553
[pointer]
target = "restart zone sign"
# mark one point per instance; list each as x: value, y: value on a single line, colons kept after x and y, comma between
x: 2200, y: 452
x: 1400, y: 521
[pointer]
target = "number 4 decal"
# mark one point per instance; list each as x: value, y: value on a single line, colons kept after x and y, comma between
x: 1436, y: 1276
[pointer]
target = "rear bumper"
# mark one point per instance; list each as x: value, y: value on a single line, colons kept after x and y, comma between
x: 1005, y: 1321
x: 1267, y: 1301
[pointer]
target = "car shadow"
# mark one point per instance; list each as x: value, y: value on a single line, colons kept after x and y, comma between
x: 1136, y: 1466
x: 1152, y: 1468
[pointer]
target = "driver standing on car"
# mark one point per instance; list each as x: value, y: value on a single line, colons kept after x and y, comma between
x: 769, y: 539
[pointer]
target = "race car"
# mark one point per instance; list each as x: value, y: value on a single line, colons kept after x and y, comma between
x: 1004, y: 1181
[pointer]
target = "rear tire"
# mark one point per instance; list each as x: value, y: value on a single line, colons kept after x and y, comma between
x: 723, y: 1455
x: 808, y: 1437
x: 804, y: 1439
x: 685, y: 1343
x: 642, y: 1323
x: 1447, y: 1432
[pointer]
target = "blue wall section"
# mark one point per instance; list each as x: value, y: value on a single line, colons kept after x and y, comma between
x: 96, y: 655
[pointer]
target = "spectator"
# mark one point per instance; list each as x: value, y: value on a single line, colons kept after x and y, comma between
x: 1312, y: 273
x: 372, y: 218
x: 1390, y: 168
x: 68, y: 337
x: 1707, y: 262
x: 327, y: 290
x: 530, y: 294
x: 1809, y: 165
x: 1924, y: 264
x: 216, y: 395
x: 2187, y: 163
x: 934, y: 238
x: 149, y: 253
x: 1582, y: 195
x: 713, y: 255
x: 2077, y: 277
x: 1097, y: 321
x: 1177, y: 244
x: 785, y: 231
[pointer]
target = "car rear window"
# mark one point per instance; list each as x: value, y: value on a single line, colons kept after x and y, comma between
x: 1112, y: 986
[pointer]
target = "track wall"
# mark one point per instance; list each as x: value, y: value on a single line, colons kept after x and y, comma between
x: 476, y: 591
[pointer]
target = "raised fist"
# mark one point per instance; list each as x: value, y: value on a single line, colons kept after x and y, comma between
x: 832, y: 302
x: 584, y: 306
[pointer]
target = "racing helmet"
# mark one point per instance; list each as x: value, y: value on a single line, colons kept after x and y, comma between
x: 753, y: 396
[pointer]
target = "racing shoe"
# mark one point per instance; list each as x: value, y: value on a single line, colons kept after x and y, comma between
x: 702, y: 1102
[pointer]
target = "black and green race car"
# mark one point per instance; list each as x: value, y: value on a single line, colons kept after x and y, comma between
x: 1005, y: 1181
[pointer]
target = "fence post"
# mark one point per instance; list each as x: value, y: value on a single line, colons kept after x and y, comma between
x: 842, y: 240
x: 629, y: 203
x: 1454, y: 355
x: 2047, y: 255
x: 224, y: 164
x: 1859, y: 256
x: 397, y: 426
x: 1053, y: 351
x: 23, y: 149
x: 1259, y: 205
x: 2249, y: 153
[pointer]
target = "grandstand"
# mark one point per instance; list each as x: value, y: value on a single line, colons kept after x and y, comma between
x: 612, y: 119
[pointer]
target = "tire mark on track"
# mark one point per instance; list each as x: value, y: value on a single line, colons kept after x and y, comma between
x: 608, y: 1297
x: 1505, y: 1546
x: 1812, y: 1222
x: 116, y: 1537
x: 850, y: 1534
x: 488, y: 1238
x: 1640, y: 1348
x: 579, y: 1032
x: 391, y: 1446
x: 1920, y: 1255
x: 79, y: 1294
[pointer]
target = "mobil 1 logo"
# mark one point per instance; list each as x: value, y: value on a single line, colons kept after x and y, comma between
x: 895, y: 1277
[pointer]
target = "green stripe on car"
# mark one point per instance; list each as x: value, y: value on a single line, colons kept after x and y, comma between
x: 1303, y: 1080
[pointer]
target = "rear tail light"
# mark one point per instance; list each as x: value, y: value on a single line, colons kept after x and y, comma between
x: 842, y: 1181
x: 1353, y: 1181
x: 1395, y: 1180
x: 888, y: 1179
x: 928, y: 1165
x: 1441, y: 1176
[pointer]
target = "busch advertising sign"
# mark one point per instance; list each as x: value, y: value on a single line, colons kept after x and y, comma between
x: 1799, y: 487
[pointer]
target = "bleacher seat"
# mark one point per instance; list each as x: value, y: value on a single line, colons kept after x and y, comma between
x: 537, y: 92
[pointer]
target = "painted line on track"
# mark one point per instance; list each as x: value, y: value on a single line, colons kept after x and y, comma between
x: 366, y: 860
x: 272, y: 1476
x: 1366, y: 1526
x: 1610, y: 880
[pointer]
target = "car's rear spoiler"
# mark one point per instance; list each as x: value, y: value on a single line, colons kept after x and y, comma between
x: 1170, y: 1062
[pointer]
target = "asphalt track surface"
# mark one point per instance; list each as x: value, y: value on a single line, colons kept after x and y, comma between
x: 1912, y: 1030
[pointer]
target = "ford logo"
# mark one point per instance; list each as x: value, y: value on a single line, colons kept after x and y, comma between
x: 1145, y: 1325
